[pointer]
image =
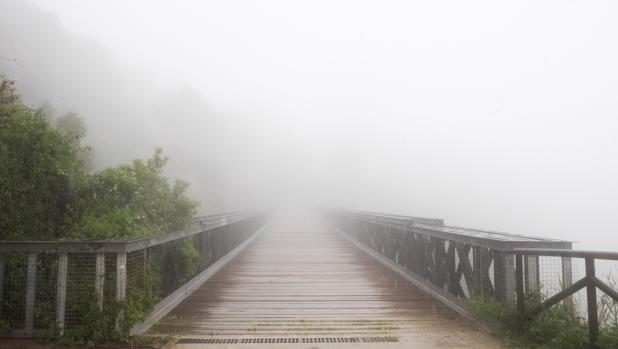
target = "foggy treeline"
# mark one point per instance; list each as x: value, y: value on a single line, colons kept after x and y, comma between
x: 508, y: 123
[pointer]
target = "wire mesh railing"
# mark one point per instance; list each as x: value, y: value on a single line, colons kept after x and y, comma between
x: 601, y: 296
x: 50, y: 288
x: 527, y: 275
x: 453, y: 263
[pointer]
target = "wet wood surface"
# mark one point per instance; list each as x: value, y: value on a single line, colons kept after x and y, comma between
x: 306, y: 282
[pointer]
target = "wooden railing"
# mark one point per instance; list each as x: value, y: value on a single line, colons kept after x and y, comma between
x: 590, y: 281
x: 452, y: 263
x: 42, y: 282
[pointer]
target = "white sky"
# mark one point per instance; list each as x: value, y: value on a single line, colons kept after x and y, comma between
x: 500, y: 115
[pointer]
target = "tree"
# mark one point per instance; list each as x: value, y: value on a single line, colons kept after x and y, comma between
x: 46, y: 192
x: 38, y: 169
x: 74, y: 128
x: 131, y: 201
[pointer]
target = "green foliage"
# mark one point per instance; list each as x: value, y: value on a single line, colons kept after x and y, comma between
x: 5, y: 327
x: 608, y: 337
x: 74, y: 128
x: 181, y: 264
x: 559, y: 327
x: 47, y: 192
x: 488, y: 305
x: 131, y: 201
x: 39, y: 168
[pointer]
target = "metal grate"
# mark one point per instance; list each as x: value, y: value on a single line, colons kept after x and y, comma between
x: 287, y: 340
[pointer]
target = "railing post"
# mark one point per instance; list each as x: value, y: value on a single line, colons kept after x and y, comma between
x: 591, y: 295
x: 30, y: 294
x: 504, y: 277
x: 567, y: 272
x: 62, y: 291
x: 477, y: 270
x: 519, y: 283
x: 99, y: 278
x: 2, y: 268
x: 532, y: 273
x: 121, y: 283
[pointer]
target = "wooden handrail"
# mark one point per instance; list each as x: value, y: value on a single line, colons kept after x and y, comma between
x: 589, y: 281
x: 199, y: 224
x: 551, y: 252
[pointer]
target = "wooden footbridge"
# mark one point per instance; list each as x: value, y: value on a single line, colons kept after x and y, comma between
x: 338, y: 277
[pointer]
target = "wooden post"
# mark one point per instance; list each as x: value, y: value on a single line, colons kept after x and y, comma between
x: 121, y: 283
x: 532, y: 273
x: 99, y: 278
x: 30, y: 294
x: 477, y: 270
x: 591, y: 295
x: 504, y: 277
x: 567, y: 272
x: 519, y: 283
x: 61, y: 298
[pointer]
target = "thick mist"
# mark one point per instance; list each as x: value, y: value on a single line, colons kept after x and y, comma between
x: 489, y: 115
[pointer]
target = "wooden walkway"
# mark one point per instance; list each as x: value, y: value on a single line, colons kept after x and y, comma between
x: 308, y: 283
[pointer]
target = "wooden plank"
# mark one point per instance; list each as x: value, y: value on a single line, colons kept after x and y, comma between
x: 304, y: 282
x: 168, y: 303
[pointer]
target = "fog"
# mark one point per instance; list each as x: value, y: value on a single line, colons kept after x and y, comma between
x: 488, y: 114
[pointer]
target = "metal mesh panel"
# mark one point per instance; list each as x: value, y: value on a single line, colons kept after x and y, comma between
x: 46, y: 289
x: 554, y: 274
x: 80, y: 287
x: 545, y: 276
x: 608, y: 308
x: 14, y: 302
x: 136, y: 264
x: 152, y: 273
x: 156, y: 272
x: 109, y: 283
x: 149, y: 272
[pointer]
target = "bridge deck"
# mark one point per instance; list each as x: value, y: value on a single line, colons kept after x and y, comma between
x: 308, y: 283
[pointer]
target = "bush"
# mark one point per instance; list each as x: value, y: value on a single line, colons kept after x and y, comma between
x: 559, y: 327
